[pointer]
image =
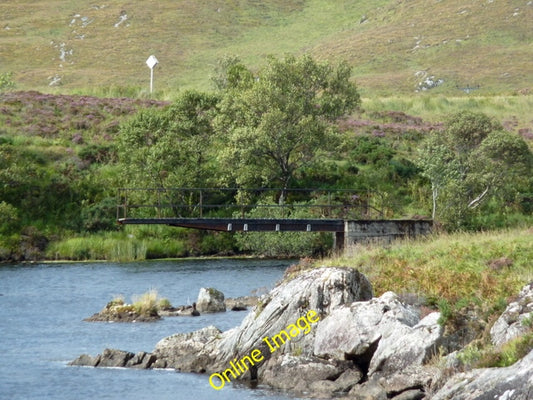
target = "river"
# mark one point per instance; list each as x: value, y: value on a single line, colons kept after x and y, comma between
x: 42, y: 307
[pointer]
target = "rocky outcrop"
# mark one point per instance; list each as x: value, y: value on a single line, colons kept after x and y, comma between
x: 210, y: 300
x: 321, y: 290
x: 381, y: 335
x: 116, y: 358
x: 517, y: 318
x: 188, y: 352
x: 510, y: 383
x: 346, y: 343
x: 357, y: 338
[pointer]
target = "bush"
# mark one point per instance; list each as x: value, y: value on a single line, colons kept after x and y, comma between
x: 9, y: 219
x: 100, y: 216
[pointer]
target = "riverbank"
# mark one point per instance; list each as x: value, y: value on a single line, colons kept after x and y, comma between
x: 368, y: 340
x: 322, y: 334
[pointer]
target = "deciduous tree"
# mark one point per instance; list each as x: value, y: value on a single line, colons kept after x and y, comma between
x: 282, y: 120
x: 471, y: 161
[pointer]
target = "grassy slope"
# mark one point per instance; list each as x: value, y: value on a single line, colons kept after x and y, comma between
x: 450, y: 266
x: 466, y: 44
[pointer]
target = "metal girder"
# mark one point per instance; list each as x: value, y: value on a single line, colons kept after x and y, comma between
x: 245, y: 224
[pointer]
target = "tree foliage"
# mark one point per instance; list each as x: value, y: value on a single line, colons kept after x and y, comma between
x: 169, y: 147
x: 279, y: 122
x: 471, y: 162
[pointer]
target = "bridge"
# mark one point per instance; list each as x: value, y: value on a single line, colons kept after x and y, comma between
x: 352, y: 216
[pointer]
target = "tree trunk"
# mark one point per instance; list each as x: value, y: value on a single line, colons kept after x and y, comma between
x: 435, y: 194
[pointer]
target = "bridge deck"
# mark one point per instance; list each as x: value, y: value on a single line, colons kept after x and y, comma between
x: 245, y: 224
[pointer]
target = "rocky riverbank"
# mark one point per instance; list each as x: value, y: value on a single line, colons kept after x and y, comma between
x: 354, y: 346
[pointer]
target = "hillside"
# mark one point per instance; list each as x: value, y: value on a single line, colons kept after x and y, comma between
x: 395, y: 47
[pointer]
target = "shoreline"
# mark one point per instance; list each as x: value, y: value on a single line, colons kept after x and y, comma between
x: 183, y: 259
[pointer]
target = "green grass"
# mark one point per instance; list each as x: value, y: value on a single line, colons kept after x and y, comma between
x: 147, y: 303
x: 478, y: 44
x: 453, y: 267
x: 110, y: 246
x: 512, y: 111
x: 483, y: 355
x: 137, y: 243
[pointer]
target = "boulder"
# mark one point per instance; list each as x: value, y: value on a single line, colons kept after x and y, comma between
x: 86, y: 360
x: 288, y: 372
x: 141, y: 360
x: 210, y: 301
x: 321, y: 290
x: 370, y: 390
x: 348, y: 379
x: 188, y: 352
x: 381, y: 335
x: 510, y: 383
x: 407, y: 346
x: 114, y: 358
x: 410, y: 379
x: 513, y: 322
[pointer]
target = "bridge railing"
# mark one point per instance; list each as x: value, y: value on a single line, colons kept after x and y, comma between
x: 241, y: 203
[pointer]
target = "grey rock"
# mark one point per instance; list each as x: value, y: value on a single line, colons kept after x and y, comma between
x: 414, y: 377
x: 210, y: 300
x: 321, y: 290
x: 159, y: 364
x: 413, y: 394
x: 241, y: 303
x: 510, y: 383
x: 188, y: 352
x: 287, y: 372
x: 513, y: 322
x: 114, y: 358
x: 405, y: 346
x: 141, y: 360
x: 348, y: 379
x: 322, y: 389
x: 383, y: 333
x: 370, y: 390
x: 86, y: 360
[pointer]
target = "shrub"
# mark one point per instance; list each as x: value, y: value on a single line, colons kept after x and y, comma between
x: 147, y: 303
x: 9, y: 218
x: 164, y: 304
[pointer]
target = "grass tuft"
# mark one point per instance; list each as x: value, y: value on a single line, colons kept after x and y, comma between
x: 147, y: 304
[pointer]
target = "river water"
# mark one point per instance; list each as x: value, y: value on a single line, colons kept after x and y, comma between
x: 41, y: 329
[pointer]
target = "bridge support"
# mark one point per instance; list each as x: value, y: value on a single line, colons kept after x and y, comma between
x: 383, y: 231
x: 338, y: 241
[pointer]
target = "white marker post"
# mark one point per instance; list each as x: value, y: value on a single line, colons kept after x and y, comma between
x: 151, y: 62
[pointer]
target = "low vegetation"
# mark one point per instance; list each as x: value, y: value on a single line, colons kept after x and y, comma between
x: 144, y: 308
x: 395, y: 47
x: 63, y: 157
x: 481, y: 354
x: 482, y: 268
